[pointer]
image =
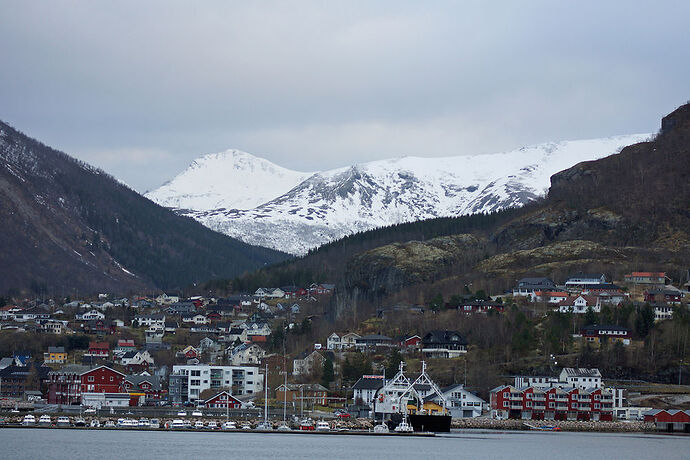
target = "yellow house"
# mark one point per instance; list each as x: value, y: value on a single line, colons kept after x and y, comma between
x: 56, y: 355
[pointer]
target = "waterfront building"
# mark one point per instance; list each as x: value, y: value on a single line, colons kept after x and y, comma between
x: 187, y: 382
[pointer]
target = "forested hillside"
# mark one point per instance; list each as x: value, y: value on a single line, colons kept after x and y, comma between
x: 67, y: 226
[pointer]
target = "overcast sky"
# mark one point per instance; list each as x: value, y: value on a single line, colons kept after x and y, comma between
x: 142, y: 88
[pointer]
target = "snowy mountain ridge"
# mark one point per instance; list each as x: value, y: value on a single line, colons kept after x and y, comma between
x: 260, y: 203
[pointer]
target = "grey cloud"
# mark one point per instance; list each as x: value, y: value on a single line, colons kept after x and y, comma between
x: 314, y: 85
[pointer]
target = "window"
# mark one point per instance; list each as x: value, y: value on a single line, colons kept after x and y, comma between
x: 91, y: 379
x: 196, y: 373
x: 505, y: 403
x: 111, y: 378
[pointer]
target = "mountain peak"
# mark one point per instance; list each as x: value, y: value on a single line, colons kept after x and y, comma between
x: 227, y: 180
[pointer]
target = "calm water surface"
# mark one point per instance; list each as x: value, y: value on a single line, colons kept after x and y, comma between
x: 17, y: 443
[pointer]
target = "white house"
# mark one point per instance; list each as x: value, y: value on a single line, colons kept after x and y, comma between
x: 462, y: 403
x: 366, y: 387
x: 90, y: 315
x: 245, y: 354
x: 306, y: 363
x: 165, y: 299
x: 134, y: 358
x: 581, y: 377
x: 342, y: 341
x: 580, y: 304
x: 194, y: 318
x: 149, y: 320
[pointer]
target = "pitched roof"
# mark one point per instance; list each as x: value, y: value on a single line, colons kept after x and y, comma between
x: 368, y: 383
x: 581, y: 372
x: 439, y: 336
x: 137, y: 380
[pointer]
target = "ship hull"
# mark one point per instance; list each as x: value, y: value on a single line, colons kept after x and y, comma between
x: 430, y: 423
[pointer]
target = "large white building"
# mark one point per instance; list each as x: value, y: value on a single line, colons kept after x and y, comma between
x: 187, y: 382
x: 580, y: 377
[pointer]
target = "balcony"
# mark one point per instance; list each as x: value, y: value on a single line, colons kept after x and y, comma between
x: 515, y: 397
x: 516, y: 406
x: 539, y: 398
x: 539, y: 407
x: 584, y: 408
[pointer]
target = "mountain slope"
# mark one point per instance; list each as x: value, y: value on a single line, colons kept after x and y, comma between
x: 67, y: 226
x: 626, y: 212
x: 332, y: 204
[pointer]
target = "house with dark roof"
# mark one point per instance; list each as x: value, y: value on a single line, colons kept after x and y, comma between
x: 595, y: 333
x: 143, y: 388
x: 443, y: 344
x: 585, y: 279
x: 373, y: 341
x: 366, y: 387
x: 526, y: 287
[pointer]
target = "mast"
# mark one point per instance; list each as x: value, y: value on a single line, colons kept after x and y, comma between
x: 266, y: 395
x: 284, y: 391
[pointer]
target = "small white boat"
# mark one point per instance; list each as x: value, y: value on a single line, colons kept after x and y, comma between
x: 45, y: 420
x: 229, y: 425
x: 109, y: 424
x: 246, y: 426
x: 188, y: 424
x: 284, y: 427
x: 381, y: 428
x: 322, y: 425
x: 182, y: 413
x: 197, y: 413
x: 62, y: 421
x: 403, y: 427
x: 95, y: 423
x: 177, y: 424
x: 90, y: 411
x: 154, y: 423
x: 199, y: 425
x: 144, y: 423
x: 29, y: 420
x: 264, y: 426
x: 80, y: 422
x: 212, y: 425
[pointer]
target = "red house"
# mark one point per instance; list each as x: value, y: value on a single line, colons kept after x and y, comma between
x: 668, y: 296
x: 214, y: 316
x: 412, y: 342
x: 102, y: 380
x: 98, y: 350
x: 669, y: 420
x: 222, y: 400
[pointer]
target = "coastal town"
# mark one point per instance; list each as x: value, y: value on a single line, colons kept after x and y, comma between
x: 169, y: 356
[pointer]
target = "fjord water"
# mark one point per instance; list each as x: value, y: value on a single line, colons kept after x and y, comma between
x: 69, y: 444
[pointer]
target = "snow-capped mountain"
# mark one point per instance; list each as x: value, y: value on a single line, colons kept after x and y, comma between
x: 307, y: 211
x: 230, y: 180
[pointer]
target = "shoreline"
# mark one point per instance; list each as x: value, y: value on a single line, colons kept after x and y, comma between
x: 562, y: 425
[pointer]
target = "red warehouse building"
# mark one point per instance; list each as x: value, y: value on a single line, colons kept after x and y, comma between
x: 102, y: 380
x: 222, y: 400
